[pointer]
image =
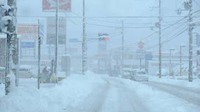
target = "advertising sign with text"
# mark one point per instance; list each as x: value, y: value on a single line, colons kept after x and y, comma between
x: 50, y: 5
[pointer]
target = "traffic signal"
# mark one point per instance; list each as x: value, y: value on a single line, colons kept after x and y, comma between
x: 5, y: 17
x: 104, y: 38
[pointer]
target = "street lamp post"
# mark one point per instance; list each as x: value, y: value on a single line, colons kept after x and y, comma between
x: 170, y: 61
x: 56, y: 41
x: 181, y: 46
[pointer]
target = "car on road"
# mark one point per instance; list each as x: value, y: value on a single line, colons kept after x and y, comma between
x: 128, y: 73
x: 140, y: 76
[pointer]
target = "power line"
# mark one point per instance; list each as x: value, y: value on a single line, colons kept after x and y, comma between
x: 197, y: 3
x: 109, y: 26
x: 162, y: 34
x: 167, y: 33
x: 173, y: 37
x: 106, y: 21
x: 164, y: 28
x: 168, y: 40
x: 172, y: 24
x: 176, y: 28
x: 108, y: 17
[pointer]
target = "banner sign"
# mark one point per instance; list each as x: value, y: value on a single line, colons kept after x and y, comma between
x: 2, y: 52
x: 27, y: 44
x: 50, y: 5
x: 28, y: 36
x: 27, y: 31
x: 51, y: 30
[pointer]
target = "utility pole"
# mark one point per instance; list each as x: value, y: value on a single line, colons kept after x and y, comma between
x: 12, y: 46
x: 84, y: 43
x: 180, y: 61
x: 160, y: 46
x: 190, y: 78
x: 170, y: 63
x: 122, y: 61
x: 56, y: 42
x: 181, y: 46
x: 39, y: 48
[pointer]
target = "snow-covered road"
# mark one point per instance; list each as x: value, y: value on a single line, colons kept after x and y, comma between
x: 99, y: 93
x: 93, y: 102
x: 186, y: 93
x: 112, y: 96
x: 120, y: 98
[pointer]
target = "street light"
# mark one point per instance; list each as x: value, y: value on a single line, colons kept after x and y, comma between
x: 181, y: 46
x: 170, y: 61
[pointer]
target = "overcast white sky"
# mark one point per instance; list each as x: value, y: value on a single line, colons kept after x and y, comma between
x: 119, y: 8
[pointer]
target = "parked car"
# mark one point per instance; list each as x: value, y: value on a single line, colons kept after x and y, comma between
x: 25, y: 71
x: 128, y: 73
x: 140, y: 76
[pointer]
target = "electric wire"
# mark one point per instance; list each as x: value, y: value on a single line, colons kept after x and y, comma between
x: 170, y: 39
x: 166, y: 34
x: 197, y: 3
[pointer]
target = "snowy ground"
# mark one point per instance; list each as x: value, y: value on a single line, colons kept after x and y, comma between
x: 96, y: 93
x: 179, y: 81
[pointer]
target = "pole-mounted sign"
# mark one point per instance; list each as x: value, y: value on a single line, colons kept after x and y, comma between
x: 50, y: 5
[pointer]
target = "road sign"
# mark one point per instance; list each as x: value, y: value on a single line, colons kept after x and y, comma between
x: 2, y: 52
x: 74, y: 40
x: 148, y: 56
x: 140, y: 54
x: 141, y: 45
x: 51, y: 28
x: 50, y: 5
x: 27, y: 44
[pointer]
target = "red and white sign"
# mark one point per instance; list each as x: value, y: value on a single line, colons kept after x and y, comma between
x: 28, y: 31
x: 50, y: 5
x: 141, y: 45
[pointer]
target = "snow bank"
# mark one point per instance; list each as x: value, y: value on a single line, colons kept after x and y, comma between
x: 195, y: 84
x: 157, y: 101
x: 23, y: 100
x: 51, y: 97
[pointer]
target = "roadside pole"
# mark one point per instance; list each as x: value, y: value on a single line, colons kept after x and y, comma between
x: 160, y: 45
x: 39, y: 50
x: 122, y: 61
x: 11, y: 43
x: 190, y: 78
x: 56, y: 42
x: 84, y: 44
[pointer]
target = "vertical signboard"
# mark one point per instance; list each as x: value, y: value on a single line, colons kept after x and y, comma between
x: 50, y: 5
x: 28, y: 37
x: 198, y: 61
x: 51, y: 30
x: 198, y: 40
x: 2, y: 57
x: 2, y: 52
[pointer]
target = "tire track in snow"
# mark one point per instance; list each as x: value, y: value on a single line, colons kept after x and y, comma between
x: 135, y: 101
x: 94, y: 102
x: 190, y: 95
x: 128, y: 100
